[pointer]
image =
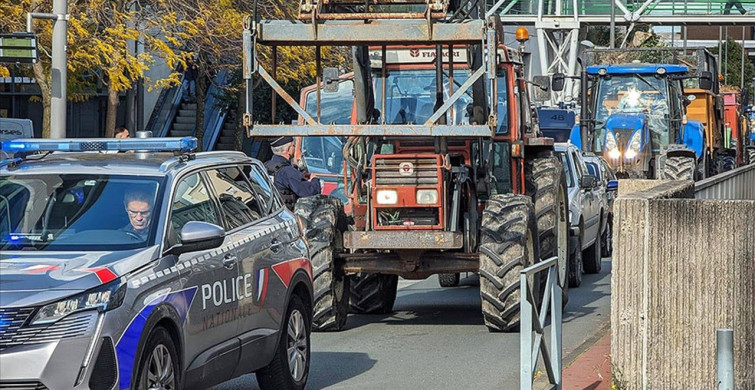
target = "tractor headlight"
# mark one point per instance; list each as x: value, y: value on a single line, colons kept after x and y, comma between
x: 427, y: 196
x: 107, y: 297
x: 634, y: 145
x: 387, y: 197
x: 611, y: 146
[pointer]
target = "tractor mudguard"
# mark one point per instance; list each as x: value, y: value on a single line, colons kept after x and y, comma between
x: 693, y: 137
x: 575, y: 137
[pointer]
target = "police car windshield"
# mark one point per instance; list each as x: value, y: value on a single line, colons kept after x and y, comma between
x: 72, y: 212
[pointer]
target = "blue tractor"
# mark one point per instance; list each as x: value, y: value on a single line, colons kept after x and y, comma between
x: 634, y: 115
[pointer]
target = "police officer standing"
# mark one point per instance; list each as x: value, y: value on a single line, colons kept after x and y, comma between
x: 290, y: 182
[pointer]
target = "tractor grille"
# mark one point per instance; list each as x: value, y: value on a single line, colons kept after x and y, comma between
x: 22, y: 386
x: 406, y: 172
x: 13, y: 334
x: 408, y: 217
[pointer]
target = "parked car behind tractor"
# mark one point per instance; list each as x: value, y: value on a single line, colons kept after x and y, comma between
x: 586, y: 211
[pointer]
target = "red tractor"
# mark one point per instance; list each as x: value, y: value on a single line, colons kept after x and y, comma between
x: 445, y: 168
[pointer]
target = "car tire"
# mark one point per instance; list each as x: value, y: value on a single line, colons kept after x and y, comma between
x: 449, y: 280
x: 282, y: 373
x: 508, y: 244
x: 606, y: 239
x: 323, y: 216
x: 575, y: 262
x: 373, y: 293
x: 591, y: 258
x: 158, y: 364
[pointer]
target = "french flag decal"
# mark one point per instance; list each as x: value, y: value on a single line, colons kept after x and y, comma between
x: 261, y: 289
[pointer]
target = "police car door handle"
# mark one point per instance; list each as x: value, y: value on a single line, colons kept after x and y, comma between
x: 229, y: 261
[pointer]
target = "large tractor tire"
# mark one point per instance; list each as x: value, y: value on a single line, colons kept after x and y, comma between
x: 449, y: 280
x: 323, y: 215
x: 373, y: 293
x: 750, y: 153
x: 545, y: 182
x: 724, y: 164
x: 679, y: 168
x: 507, y: 245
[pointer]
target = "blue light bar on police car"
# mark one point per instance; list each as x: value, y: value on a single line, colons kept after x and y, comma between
x: 184, y: 144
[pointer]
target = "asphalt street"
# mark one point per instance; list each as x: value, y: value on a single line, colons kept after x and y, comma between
x: 435, y: 339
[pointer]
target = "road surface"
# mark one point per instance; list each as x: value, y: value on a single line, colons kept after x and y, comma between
x: 435, y: 339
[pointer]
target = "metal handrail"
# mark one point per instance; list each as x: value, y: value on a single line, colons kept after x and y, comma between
x: 215, y: 116
x: 533, y: 346
x: 646, y: 7
x: 175, y: 104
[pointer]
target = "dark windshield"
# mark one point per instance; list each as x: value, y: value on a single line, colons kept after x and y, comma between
x: 70, y: 212
x: 634, y: 94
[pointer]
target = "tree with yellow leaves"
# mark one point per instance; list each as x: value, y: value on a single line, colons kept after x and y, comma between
x: 101, y: 34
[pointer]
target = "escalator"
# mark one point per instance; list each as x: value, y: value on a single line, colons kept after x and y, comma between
x: 175, y: 117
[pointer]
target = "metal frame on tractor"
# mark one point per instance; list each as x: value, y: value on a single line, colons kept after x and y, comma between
x: 475, y: 171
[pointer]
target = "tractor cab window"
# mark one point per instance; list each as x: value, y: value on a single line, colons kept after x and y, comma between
x: 643, y: 96
x: 502, y: 108
x: 410, y: 96
x: 335, y: 107
x: 323, y: 154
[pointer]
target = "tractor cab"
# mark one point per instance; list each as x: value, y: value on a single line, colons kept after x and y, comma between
x: 637, y: 110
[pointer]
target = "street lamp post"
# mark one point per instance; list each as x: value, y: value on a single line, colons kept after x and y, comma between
x: 59, y: 74
x: 59, y: 70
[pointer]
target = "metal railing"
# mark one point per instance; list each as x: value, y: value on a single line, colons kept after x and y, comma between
x: 215, y: 112
x: 737, y: 184
x: 533, y: 322
x: 645, y: 7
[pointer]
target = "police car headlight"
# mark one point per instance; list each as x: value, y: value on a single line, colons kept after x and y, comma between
x: 104, y: 298
x: 427, y: 196
x: 387, y: 197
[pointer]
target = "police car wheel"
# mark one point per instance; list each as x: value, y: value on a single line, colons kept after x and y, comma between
x: 157, y: 367
x: 290, y: 366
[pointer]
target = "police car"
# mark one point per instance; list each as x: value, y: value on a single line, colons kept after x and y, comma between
x: 154, y: 268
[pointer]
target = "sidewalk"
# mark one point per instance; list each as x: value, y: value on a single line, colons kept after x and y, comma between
x: 592, y: 369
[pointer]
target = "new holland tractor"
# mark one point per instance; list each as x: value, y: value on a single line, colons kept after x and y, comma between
x: 633, y: 114
x: 446, y: 170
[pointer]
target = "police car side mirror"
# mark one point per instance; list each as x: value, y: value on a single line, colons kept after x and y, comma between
x: 199, y: 236
x: 613, y: 185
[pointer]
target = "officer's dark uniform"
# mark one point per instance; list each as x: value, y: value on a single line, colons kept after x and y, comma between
x: 289, y: 181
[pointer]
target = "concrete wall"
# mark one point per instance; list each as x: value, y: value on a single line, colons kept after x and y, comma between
x: 682, y: 269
